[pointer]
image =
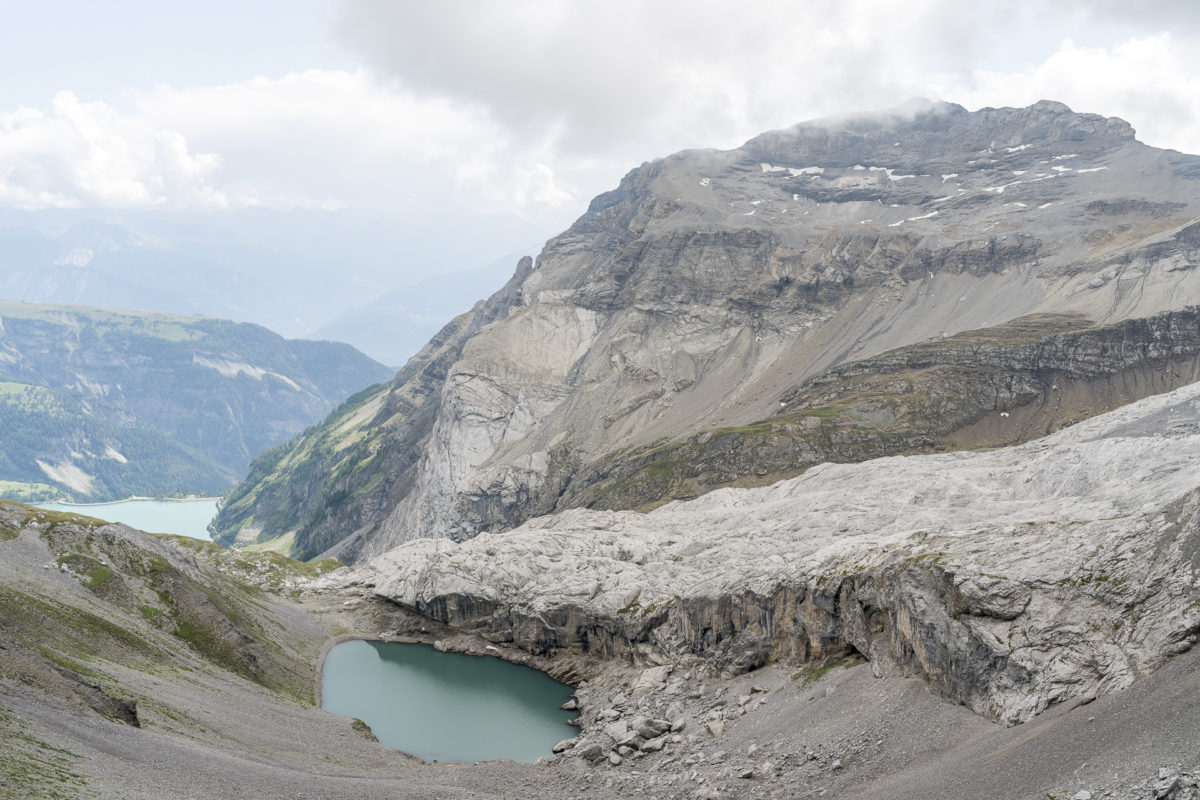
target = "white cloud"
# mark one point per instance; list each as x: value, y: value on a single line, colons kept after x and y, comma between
x: 316, y: 139
x: 1152, y: 82
x: 632, y: 79
x: 79, y: 154
x: 335, y: 139
x: 530, y: 107
x: 668, y: 73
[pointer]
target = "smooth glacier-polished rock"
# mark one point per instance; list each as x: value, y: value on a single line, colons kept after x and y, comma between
x: 1010, y: 580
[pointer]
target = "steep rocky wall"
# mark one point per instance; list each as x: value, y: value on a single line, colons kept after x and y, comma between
x: 343, y: 476
x: 340, y: 475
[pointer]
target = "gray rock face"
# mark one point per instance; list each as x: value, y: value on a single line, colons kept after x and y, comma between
x: 1010, y: 580
x: 345, y: 474
x: 705, y: 287
x: 653, y: 728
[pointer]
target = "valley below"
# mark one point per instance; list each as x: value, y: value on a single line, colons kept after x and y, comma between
x: 157, y: 666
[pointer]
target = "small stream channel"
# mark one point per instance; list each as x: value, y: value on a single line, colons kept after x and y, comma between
x: 446, y: 706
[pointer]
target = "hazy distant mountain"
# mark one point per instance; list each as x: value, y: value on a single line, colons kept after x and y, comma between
x: 292, y: 272
x: 98, y: 404
x: 674, y: 338
x: 392, y: 328
x: 100, y: 264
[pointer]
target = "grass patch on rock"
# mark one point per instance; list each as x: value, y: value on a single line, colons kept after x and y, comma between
x: 94, y: 574
x: 59, y: 660
x: 363, y: 730
x: 810, y: 675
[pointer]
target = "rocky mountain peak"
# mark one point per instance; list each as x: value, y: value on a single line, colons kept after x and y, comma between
x: 920, y: 130
x: 836, y: 198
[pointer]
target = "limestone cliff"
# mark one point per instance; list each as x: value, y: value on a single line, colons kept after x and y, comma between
x: 347, y: 472
x: 699, y: 294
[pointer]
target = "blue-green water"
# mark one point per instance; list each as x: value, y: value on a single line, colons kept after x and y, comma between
x: 446, y: 706
x: 182, y: 517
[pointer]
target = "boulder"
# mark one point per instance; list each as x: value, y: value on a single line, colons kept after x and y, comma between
x: 592, y: 752
x: 651, y: 679
x: 650, y: 728
x: 654, y: 745
x: 617, y: 731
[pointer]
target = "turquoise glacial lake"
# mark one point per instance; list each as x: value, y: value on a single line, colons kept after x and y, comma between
x: 446, y: 706
x: 181, y: 517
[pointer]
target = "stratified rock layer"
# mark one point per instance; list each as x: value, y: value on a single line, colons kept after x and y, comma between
x: 1010, y: 580
x: 993, y: 387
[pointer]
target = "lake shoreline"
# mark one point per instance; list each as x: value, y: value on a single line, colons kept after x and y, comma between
x: 446, y: 707
x: 185, y: 516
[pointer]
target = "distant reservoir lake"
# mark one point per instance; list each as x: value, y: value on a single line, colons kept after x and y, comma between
x: 446, y: 706
x: 181, y: 517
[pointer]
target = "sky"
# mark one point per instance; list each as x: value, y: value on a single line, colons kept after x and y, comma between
x: 462, y: 131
